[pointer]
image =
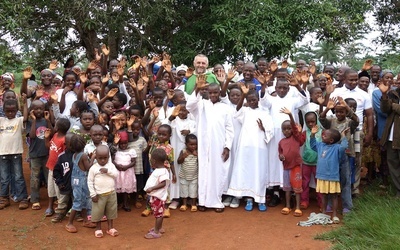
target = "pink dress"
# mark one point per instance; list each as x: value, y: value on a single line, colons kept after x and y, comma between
x: 126, y: 180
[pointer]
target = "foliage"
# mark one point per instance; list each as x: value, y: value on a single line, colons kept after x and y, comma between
x: 373, y: 223
x: 328, y: 52
x: 218, y: 28
x: 387, y: 15
x: 9, y: 60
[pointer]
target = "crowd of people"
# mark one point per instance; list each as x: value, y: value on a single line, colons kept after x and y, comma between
x: 167, y: 137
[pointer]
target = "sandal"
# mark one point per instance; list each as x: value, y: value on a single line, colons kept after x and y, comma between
x: 113, y: 232
x: 219, y: 210
x: 49, y: 212
x: 183, y: 208
x: 336, y: 220
x: 138, y: 205
x: 193, y: 209
x: 152, y: 235
x: 298, y: 213
x: 36, y: 206
x: 162, y: 230
x: 285, y: 211
x: 24, y: 204
x: 4, y: 202
x: 89, y: 224
x: 98, y: 234
x: 71, y: 228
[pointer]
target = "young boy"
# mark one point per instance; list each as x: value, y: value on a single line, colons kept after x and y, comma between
x: 35, y: 129
x: 101, y: 183
x: 289, y: 154
x: 11, y: 150
x: 156, y: 187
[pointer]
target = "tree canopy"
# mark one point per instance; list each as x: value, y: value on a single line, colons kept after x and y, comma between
x: 220, y: 29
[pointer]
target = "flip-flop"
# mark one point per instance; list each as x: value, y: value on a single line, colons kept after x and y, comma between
x: 298, y: 213
x: 336, y: 220
x: 162, y: 230
x: 49, y: 212
x: 113, y: 232
x: 98, y: 234
x: 152, y: 235
x: 285, y: 211
x: 71, y: 229
x: 36, y: 206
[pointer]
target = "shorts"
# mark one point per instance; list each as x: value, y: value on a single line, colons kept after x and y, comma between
x: 106, y: 205
x: 292, y: 180
x: 52, y: 188
x: 187, y: 188
x: 157, y: 206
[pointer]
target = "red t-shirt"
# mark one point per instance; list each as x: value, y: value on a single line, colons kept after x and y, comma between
x: 290, y: 148
x: 57, y: 146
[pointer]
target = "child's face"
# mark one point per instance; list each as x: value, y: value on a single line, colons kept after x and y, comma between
x: 213, y: 93
x: 38, y: 109
x: 234, y: 96
x: 330, y: 70
x: 57, y: 82
x: 158, y: 98
x: 183, y: 112
x: 191, y: 145
x: 95, y: 85
x: 363, y: 83
x: 352, y: 105
x: 282, y: 89
x: 340, y: 113
x: 163, y: 84
x: 96, y: 134
x: 262, y: 66
x: 10, y: 96
x: 108, y: 108
x: 252, y: 101
x: 163, y: 134
x: 351, y: 80
x: 135, y: 129
x: 102, y: 158
x: 286, y: 129
x: 316, y: 94
x: 95, y: 72
x: 326, y: 137
x: 105, y: 117
x: 136, y: 113
x: 7, y: 83
x: 10, y: 111
x: 123, y: 145
x: 132, y: 101
x: 179, y: 97
x: 166, y: 78
x: 311, y: 121
x: 281, y: 75
x: 116, y: 102
x: 322, y: 82
x: 73, y: 111
x: 87, y: 120
x: 70, y: 81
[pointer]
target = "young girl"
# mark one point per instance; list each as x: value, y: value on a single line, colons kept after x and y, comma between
x: 250, y: 166
x: 188, y: 173
x: 69, y: 94
x: 124, y: 161
x: 80, y: 190
x: 87, y: 120
x: 329, y: 155
x: 156, y: 187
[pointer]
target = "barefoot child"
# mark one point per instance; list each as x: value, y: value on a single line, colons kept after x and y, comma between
x: 329, y: 155
x: 289, y: 154
x: 101, y: 184
x: 156, y: 187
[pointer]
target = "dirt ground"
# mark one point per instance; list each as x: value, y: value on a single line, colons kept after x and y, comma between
x: 233, y: 229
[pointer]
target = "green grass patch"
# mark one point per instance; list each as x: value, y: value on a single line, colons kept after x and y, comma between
x: 374, y: 222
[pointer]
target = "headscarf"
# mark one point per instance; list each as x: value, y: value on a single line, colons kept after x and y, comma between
x: 181, y: 67
x: 9, y: 76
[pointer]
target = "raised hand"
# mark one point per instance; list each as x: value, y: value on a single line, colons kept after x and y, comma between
x: 53, y: 64
x: 267, y: 76
x: 383, y: 87
x: 221, y: 75
x: 39, y: 92
x: 97, y: 55
x: 260, y: 77
x: 273, y: 66
x: 132, y: 83
x: 152, y: 105
x: 83, y: 77
x: 105, y: 79
x: 92, y: 65
x: 117, y: 137
x: 90, y: 96
x: 299, y: 127
x: 304, y: 76
x: 168, y: 66
x: 170, y: 94
x: 321, y: 100
x: 155, y: 59
x: 143, y: 76
x: 312, y: 68
x: 23, y: 98
x: 47, y: 115
x: 341, y: 102
x: 131, y: 120
x: 189, y: 72
x: 143, y: 62
x: 314, y: 129
x: 367, y: 65
x: 284, y: 64
x: 260, y: 124
x: 244, y: 88
x: 176, y: 110
x: 285, y: 110
x: 27, y: 73
x: 123, y: 61
x: 140, y: 84
x: 54, y: 97
x: 293, y: 80
x: 105, y: 50
x: 155, y: 113
x: 138, y: 60
x: 201, y: 81
x: 112, y: 92
x: 32, y: 115
x: 345, y: 131
x: 47, y: 133
x: 330, y: 88
x: 2, y: 90
x: 231, y: 73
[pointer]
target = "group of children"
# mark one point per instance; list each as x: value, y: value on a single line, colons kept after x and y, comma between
x: 108, y: 134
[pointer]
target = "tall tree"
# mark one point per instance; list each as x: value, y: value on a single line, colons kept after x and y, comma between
x: 328, y: 52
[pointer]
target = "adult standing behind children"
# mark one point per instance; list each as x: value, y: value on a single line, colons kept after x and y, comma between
x: 215, y: 136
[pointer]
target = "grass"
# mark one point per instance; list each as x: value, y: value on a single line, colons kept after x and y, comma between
x: 373, y: 224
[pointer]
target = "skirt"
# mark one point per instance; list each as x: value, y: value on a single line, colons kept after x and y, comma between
x: 328, y: 187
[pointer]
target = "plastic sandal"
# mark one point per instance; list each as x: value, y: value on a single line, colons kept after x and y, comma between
x: 113, y: 232
x: 49, y: 212
x: 36, y: 206
x: 193, y: 209
x: 183, y: 208
x: 298, y: 213
x: 162, y: 230
x: 336, y: 220
x: 262, y: 207
x: 285, y: 211
x: 98, y: 234
x: 71, y: 228
x: 152, y: 235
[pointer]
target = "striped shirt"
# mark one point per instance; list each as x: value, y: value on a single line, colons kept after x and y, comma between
x: 189, y: 168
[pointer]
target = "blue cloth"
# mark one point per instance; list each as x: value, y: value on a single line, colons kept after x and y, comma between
x: 256, y: 82
x: 380, y: 116
x: 329, y: 158
x: 11, y: 169
x: 80, y: 189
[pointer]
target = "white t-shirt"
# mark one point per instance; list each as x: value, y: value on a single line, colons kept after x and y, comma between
x: 11, y: 136
x: 70, y: 98
x: 159, y: 175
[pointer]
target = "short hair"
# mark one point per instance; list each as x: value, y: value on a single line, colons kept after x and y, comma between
x: 87, y: 111
x: 282, y: 70
x: 190, y: 137
x: 347, y: 100
x: 77, y: 143
x: 201, y: 55
x: 349, y: 71
x: 63, y: 125
x: 70, y: 73
x: 253, y: 92
x: 10, y: 102
x: 159, y: 155
x: 158, y: 89
x: 138, y: 107
x: 167, y: 127
x: 212, y: 85
x: 81, y: 105
x: 122, y: 98
x: 335, y: 134
x: 313, y: 89
x: 250, y: 64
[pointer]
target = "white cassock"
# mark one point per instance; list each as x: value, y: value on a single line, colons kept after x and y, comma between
x: 275, y: 104
x: 178, y: 143
x: 214, y: 132
x: 249, y: 176
x: 237, y: 126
